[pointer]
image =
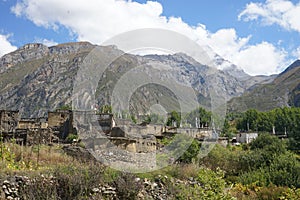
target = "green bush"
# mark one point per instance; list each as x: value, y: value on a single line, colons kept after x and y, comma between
x: 71, y: 138
x: 283, y: 170
x: 126, y: 186
x: 268, y: 143
x: 191, y: 153
x: 77, y: 182
x: 211, y: 185
x: 227, y: 159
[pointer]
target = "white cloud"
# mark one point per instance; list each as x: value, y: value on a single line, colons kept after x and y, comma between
x: 281, y: 12
x: 5, y: 45
x: 296, y: 53
x: 226, y: 43
x: 99, y: 20
x: 46, y: 42
x: 263, y: 58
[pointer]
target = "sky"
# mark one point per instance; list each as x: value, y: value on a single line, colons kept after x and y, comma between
x: 259, y: 36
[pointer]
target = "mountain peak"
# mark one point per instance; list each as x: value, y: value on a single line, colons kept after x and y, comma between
x: 33, y: 46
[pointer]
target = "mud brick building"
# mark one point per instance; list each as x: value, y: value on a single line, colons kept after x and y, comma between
x: 106, y: 122
x: 33, y: 123
x: 8, y: 120
x: 61, y: 122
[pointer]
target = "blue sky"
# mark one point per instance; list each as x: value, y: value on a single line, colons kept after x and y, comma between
x: 259, y: 36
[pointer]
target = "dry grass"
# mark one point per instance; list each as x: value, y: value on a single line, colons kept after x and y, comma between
x: 23, y: 158
x: 53, y: 174
x: 188, y: 170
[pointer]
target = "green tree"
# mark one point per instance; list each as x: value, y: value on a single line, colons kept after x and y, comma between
x: 226, y: 128
x: 202, y: 115
x: 174, y: 117
x: 154, y: 119
x: 264, y: 122
x: 269, y: 143
x: 191, y: 153
x: 264, y: 150
x: 248, y: 121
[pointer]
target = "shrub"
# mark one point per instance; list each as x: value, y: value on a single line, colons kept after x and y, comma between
x: 126, y: 186
x: 291, y: 193
x: 77, y: 182
x: 71, y: 138
x: 227, y: 159
x: 39, y: 188
x: 268, y: 143
x: 211, y: 185
x: 283, y: 170
x: 191, y: 153
x: 254, y: 192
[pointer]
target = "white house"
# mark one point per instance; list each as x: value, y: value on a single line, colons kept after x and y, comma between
x: 246, y: 137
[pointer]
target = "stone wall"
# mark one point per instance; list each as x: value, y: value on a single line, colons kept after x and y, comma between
x: 195, y: 132
x: 136, y: 130
x: 136, y: 145
x: 106, y: 122
x: 8, y: 120
x: 32, y: 123
x: 41, y: 136
x: 61, y: 121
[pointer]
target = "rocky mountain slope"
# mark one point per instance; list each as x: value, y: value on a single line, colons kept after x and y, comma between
x: 284, y: 90
x: 245, y: 79
x: 37, y: 78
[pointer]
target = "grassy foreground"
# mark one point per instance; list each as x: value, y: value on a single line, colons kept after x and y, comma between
x: 226, y: 173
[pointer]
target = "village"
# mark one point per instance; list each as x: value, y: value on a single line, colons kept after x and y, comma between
x: 139, y: 138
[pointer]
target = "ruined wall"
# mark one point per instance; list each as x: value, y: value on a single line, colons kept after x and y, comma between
x: 8, y: 120
x: 41, y: 136
x: 135, y: 130
x: 195, y: 132
x: 59, y: 117
x: 145, y: 145
x: 106, y: 122
x: 136, y: 145
x: 33, y: 123
x: 61, y: 121
x: 28, y: 124
x: 125, y: 144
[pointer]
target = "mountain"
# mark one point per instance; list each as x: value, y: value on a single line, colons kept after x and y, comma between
x: 284, y: 90
x: 36, y: 78
x: 245, y: 79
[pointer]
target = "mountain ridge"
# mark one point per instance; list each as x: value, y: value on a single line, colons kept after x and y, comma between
x: 282, y: 91
x: 35, y: 78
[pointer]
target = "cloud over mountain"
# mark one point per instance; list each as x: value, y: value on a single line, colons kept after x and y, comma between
x: 99, y: 20
x: 5, y: 45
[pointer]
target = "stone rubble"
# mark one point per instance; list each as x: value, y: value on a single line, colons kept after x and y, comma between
x: 156, y: 189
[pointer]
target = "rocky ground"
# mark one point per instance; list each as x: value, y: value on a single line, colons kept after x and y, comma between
x: 13, y: 186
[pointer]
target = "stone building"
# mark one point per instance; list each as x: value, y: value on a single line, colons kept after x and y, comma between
x: 106, y: 122
x: 8, y: 120
x: 36, y: 131
x: 61, y: 122
x: 198, y: 133
x: 32, y: 123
